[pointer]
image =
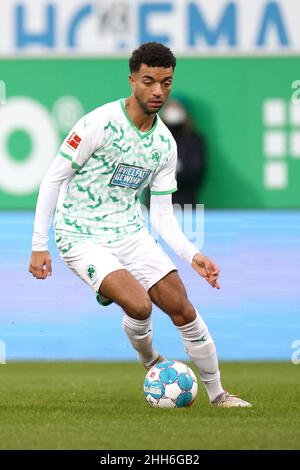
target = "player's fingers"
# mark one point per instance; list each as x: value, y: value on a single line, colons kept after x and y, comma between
x: 48, y: 267
x: 32, y: 269
x: 213, y: 269
x: 37, y: 272
x: 44, y: 273
x: 213, y: 277
x: 199, y: 270
x: 215, y: 284
x: 40, y: 274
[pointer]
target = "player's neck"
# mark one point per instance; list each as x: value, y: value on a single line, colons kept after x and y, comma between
x: 140, y: 119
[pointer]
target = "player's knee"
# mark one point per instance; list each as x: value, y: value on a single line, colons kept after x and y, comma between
x: 140, y: 309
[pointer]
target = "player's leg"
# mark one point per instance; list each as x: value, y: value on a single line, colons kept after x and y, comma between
x: 151, y: 266
x: 106, y: 275
x: 170, y: 296
x: 121, y: 287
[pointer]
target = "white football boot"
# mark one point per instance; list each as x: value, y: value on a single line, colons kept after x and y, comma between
x: 226, y: 400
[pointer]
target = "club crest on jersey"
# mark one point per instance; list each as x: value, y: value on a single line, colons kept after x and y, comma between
x: 129, y: 176
x: 74, y: 140
x: 91, y: 272
x: 155, y: 156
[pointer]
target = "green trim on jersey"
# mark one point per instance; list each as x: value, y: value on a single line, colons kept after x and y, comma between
x: 160, y: 193
x: 75, y: 166
x: 142, y: 135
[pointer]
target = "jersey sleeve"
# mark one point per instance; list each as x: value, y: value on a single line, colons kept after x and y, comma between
x: 164, y: 180
x: 82, y: 141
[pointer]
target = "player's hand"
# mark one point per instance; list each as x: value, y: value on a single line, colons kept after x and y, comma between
x: 207, y: 269
x: 40, y: 264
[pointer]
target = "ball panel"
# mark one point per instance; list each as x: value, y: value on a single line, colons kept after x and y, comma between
x: 163, y: 365
x: 154, y: 388
x: 191, y: 373
x: 194, y: 390
x: 153, y: 373
x: 146, y: 386
x: 180, y: 367
x: 152, y: 401
x: 185, y: 381
x: 173, y: 391
x: 166, y: 403
x: 185, y: 399
x: 168, y: 376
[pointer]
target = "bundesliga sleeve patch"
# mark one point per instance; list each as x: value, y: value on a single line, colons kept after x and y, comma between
x: 74, y: 140
x: 129, y: 176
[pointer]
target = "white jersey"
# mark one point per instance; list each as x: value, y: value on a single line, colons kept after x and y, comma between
x: 114, y: 162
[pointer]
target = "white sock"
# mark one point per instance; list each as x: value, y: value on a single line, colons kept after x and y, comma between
x: 139, y: 333
x: 201, y: 349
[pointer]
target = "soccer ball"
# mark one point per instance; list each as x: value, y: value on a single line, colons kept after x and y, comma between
x: 170, y: 384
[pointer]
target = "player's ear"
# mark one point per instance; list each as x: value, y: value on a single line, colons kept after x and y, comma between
x: 131, y: 80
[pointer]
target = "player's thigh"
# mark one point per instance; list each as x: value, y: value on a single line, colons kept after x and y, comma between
x: 90, y: 261
x: 168, y: 290
x: 121, y: 287
x: 145, y: 260
x: 107, y: 276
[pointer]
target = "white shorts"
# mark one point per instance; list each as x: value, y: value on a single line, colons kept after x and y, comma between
x: 139, y: 254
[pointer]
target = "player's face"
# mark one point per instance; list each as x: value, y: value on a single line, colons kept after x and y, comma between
x: 151, y: 87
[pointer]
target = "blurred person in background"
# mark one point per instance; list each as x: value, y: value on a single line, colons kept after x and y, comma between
x: 191, y: 152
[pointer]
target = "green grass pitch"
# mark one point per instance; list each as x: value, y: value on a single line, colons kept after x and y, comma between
x: 93, y: 405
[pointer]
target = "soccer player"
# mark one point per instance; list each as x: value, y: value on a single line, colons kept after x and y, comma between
x: 93, y: 186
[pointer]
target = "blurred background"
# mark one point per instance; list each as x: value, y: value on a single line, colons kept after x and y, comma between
x: 237, y: 121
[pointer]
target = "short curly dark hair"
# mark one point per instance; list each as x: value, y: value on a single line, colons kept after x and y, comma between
x: 153, y: 54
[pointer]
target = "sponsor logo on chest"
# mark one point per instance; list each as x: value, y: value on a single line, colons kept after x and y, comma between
x: 129, y: 176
